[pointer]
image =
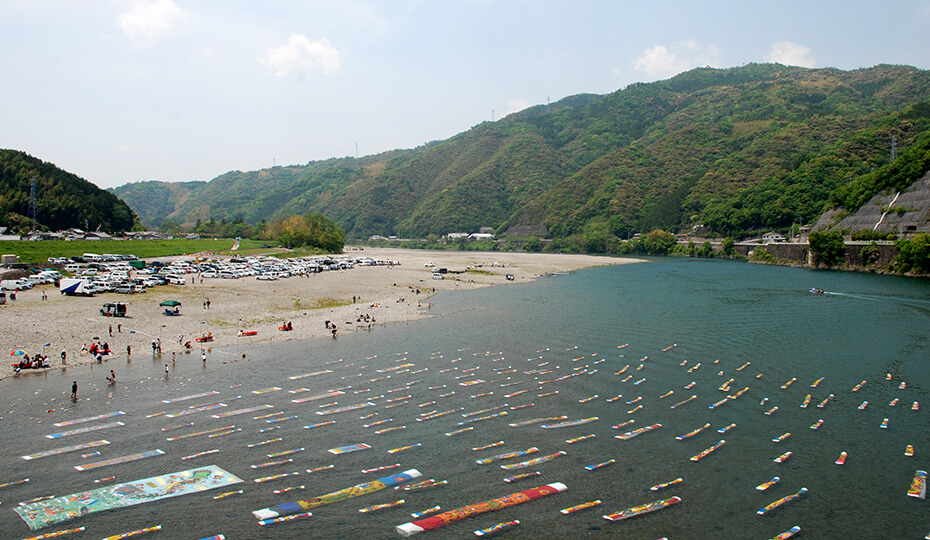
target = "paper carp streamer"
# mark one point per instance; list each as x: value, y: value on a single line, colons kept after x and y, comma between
x: 336, y: 496
x: 445, y: 518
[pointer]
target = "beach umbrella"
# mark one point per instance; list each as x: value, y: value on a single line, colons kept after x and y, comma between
x: 18, y: 352
x: 170, y: 303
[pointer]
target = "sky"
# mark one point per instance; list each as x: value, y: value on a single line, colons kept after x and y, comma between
x: 120, y: 91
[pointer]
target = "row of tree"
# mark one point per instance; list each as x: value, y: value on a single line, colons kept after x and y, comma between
x: 311, y: 231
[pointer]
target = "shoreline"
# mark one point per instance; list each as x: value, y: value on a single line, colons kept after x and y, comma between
x: 386, y: 294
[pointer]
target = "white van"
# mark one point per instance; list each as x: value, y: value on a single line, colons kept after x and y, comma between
x: 92, y: 257
x: 73, y: 268
x: 174, y: 279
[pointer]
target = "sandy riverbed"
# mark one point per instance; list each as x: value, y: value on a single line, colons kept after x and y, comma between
x: 388, y: 294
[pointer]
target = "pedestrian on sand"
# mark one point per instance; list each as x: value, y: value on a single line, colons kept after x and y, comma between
x: 166, y: 371
x: 74, y: 390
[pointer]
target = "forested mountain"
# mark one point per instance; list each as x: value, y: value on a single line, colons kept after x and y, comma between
x: 63, y: 200
x: 152, y: 201
x: 736, y: 150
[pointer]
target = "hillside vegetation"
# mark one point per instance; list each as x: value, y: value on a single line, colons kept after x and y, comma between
x: 63, y: 200
x: 736, y: 150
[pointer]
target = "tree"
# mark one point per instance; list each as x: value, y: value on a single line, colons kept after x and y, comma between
x: 170, y: 227
x: 728, y: 247
x: 658, y: 242
x: 827, y: 248
x: 533, y: 245
x: 312, y: 230
x: 914, y: 255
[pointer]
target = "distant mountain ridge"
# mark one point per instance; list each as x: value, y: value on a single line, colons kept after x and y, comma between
x: 733, y: 150
x: 63, y: 200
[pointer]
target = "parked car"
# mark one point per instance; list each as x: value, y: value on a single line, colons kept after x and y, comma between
x: 113, y: 309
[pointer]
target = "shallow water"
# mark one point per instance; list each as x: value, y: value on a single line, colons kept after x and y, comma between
x: 732, y: 313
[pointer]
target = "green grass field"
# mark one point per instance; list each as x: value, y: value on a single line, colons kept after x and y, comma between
x: 39, y: 252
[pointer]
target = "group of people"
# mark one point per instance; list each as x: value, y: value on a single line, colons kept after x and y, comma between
x: 97, y: 350
x: 36, y: 362
x: 287, y: 327
x: 365, y: 318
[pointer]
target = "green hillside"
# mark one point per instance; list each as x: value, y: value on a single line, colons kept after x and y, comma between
x: 154, y: 201
x: 63, y: 200
x: 736, y: 150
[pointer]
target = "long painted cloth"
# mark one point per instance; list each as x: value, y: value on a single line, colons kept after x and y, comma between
x: 336, y: 496
x: 441, y: 520
x: 43, y: 513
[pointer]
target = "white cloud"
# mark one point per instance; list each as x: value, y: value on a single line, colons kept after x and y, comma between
x: 300, y: 54
x: 661, y: 61
x: 791, y: 54
x: 148, y: 20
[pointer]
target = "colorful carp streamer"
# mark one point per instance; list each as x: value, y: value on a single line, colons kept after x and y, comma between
x: 428, y: 511
x: 336, y: 496
x: 508, y: 455
x: 582, y: 506
x: 423, y: 485
x: 636, y: 432
x: 599, y: 465
x: 788, y: 534
x: 55, y: 534
x: 779, y: 502
x: 376, y: 507
x: 510, y: 479
x: 642, y: 509
x: 765, y: 485
x: 285, y: 518
x: 657, y: 487
x: 531, y: 462
x: 497, y: 528
x: 402, y: 448
x: 918, y: 485
x: 706, y: 452
x: 440, y: 520
x: 133, y: 533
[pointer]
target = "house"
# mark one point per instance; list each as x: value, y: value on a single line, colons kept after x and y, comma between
x: 773, y: 238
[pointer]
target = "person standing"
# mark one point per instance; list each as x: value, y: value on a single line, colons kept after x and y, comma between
x: 166, y: 371
x: 110, y: 330
x: 74, y: 390
x: 203, y: 357
x: 64, y: 357
x: 128, y: 351
x: 208, y: 303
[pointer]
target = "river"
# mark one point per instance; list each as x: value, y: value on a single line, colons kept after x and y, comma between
x: 662, y: 318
